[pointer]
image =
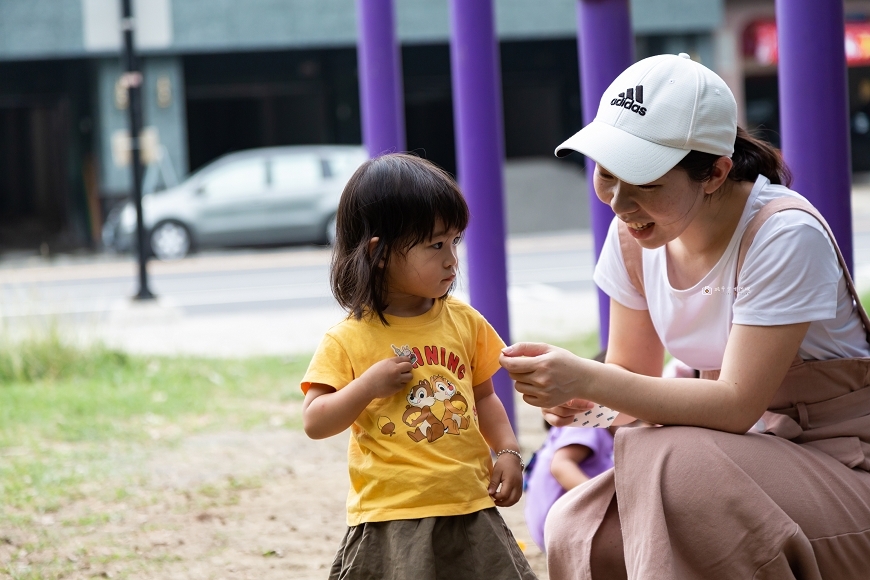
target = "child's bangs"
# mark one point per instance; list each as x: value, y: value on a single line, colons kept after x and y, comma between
x: 445, y: 209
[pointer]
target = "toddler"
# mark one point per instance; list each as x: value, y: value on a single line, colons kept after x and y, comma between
x: 410, y: 372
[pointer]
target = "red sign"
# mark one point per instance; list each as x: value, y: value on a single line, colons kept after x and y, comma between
x: 759, y: 43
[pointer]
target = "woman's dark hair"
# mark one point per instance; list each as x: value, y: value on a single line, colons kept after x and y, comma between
x: 399, y: 199
x: 752, y: 157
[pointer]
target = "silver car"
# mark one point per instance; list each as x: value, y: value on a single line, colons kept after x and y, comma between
x: 273, y: 195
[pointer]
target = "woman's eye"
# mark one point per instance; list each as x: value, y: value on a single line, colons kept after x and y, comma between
x: 456, y: 240
x: 438, y: 245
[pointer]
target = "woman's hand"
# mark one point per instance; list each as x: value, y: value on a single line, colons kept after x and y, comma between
x: 564, y: 415
x: 546, y: 376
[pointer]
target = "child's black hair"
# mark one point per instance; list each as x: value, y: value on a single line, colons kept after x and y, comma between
x: 399, y: 199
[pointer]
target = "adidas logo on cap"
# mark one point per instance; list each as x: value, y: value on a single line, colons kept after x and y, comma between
x: 631, y: 99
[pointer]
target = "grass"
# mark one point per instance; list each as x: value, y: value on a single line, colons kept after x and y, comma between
x: 67, y: 412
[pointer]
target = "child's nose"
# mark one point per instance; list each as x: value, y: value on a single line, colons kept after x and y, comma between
x: 452, y: 256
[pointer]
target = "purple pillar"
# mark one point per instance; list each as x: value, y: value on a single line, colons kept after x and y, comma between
x: 479, y: 151
x: 380, y: 78
x: 814, y: 107
x: 606, y: 47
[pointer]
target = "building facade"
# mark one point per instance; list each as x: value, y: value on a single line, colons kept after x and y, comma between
x: 224, y: 75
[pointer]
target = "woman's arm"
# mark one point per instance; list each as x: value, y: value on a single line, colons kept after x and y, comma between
x: 327, y: 412
x: 565, y: 467
x: 754, y: 365
x: 633, y: 345
x: 498, y: 433
x: 633, y: 342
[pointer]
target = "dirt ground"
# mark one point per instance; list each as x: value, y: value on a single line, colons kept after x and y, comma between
x: 262, y: 505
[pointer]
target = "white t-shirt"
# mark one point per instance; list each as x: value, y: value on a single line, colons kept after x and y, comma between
x: 790, y: 275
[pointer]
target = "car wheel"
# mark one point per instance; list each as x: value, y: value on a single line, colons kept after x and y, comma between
x: 170, y: 241
x: 330, y: 230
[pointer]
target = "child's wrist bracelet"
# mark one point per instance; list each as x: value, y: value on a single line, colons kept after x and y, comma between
x: 512, y: 452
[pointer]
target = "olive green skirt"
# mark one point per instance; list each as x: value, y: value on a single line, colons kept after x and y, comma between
x: 476, y: 546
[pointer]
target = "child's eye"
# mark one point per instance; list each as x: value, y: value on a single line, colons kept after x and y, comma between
x: 456, y: 240
x: 438, y: 245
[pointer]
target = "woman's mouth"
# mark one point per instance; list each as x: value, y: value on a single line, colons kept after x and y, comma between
x: 640, y: 231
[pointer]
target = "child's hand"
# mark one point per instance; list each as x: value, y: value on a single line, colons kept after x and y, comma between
x: 506, y: 482
x: 387, y: 377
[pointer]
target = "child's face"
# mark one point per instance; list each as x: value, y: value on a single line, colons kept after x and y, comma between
x: 428, y: 269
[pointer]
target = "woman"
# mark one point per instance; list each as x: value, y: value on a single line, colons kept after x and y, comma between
x: 713, y: 259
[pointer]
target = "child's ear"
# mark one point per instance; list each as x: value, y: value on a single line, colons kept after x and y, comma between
x: 372, y: 244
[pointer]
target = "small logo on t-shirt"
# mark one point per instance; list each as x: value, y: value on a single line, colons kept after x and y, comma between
x: 405, y: 351
x: 729, y: 290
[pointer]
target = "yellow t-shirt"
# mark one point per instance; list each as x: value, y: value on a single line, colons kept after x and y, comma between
x: 418, y: 453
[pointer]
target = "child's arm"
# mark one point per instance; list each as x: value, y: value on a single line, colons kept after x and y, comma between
x: 506, y: 481
x: 327, y: 412
x: 565, y: 466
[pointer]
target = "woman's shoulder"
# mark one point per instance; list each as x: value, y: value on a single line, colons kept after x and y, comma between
x: 766, y: 192
x: 769, y: 192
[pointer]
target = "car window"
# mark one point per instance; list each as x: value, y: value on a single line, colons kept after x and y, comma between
x: 238, y: 179
x: 296, y: 171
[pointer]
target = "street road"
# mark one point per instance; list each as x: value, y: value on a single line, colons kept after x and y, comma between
x: 246, y: 280
x: 223, y: 301
x: 277, y: 301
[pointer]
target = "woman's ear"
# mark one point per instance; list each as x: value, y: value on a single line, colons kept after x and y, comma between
x: 721, y: 169
x: 372, y: 245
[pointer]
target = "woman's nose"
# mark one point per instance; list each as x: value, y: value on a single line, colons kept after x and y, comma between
x: 620, y: 201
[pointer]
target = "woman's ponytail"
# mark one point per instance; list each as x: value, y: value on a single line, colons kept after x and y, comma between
x: 753, y: 157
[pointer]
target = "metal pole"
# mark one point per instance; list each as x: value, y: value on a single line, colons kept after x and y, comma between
x: 380, y: 78
x: 814, y: 109
x: 132, y: 79
x: 606, y: 46
x: 480, y: 151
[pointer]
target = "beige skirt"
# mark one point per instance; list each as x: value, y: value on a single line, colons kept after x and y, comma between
x: 702, y: 504
x: 476, y: 546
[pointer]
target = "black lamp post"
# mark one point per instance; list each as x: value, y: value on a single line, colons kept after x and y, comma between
x: 132, y: 80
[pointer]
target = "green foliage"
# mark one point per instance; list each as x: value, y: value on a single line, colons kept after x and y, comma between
x: 49, y: 357
x: 67, y: 413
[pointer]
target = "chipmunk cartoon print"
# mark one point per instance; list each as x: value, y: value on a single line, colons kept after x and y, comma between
x: 426, y: 424
x: 455, y: 404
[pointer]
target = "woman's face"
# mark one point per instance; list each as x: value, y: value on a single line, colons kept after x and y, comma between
x: 657, y: 212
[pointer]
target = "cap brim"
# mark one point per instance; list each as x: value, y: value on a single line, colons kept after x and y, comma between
x: 630, y: 158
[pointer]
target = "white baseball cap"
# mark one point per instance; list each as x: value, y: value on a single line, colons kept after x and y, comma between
x: 653, y: 114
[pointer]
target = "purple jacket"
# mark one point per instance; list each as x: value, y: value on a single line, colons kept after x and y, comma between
x: 542, y: 489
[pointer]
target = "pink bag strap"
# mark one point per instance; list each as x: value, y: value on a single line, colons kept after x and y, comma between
x: 781, y: 204
x: 632, y: 257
